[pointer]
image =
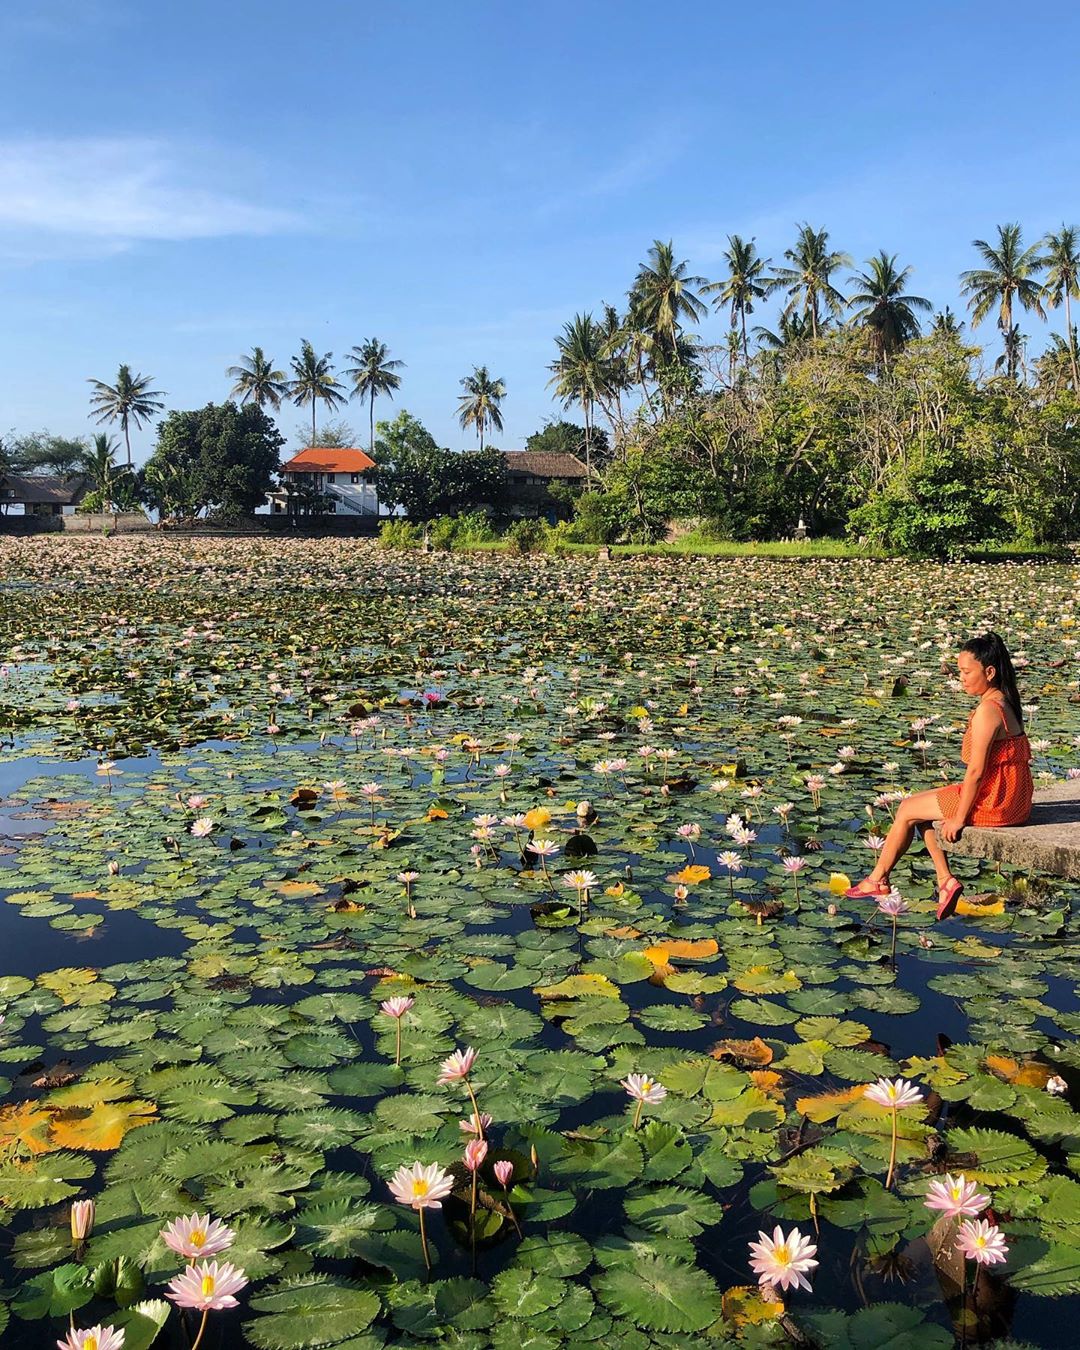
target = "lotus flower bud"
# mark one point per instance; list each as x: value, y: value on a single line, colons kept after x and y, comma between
x: 82, y: 1220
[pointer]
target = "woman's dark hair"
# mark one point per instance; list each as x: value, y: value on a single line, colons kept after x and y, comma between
x: 990, y: 650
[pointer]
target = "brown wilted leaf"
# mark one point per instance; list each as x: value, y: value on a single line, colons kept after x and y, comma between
x: 744, y: 1053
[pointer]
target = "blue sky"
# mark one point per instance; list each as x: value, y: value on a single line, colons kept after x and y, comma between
x: 182, y: 179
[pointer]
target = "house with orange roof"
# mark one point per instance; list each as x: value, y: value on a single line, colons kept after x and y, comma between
x: 340, y: 478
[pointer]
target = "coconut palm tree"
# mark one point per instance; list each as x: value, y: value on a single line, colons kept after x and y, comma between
x: 100, y: 467
x: 808, y: 279
x: 614, y: 349
x: 663, y: 298
x: 580, y: 372
x: 257, y: 381
x: 1009, y: 275
x: 745, y: 282
x: 1054, y: 367
x: 479, y: 405
x: 946, y: 324
x: 792, y: 331
x: 1012, y: 357
x: 1062, y: 282
x: 313, y: 381
x: 373, y: 374
x: 129, y: 400
x: 884, y: 309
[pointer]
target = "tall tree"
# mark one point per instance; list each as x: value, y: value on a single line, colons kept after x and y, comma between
x: 257, y: 381
x: 129, y: 400
x: 1008, y: 277
x: 580, y: 372
x: 745, y: 282
x: 100, y: 466
x: 372, y: 373
x: 664, y: 297
x: 946, y: 324
x: 1062, y: 259
x: 479, y: 405
x: 1014, y: 344
x: 884, y: 309
x: 808, y: 280
x: 313, y: 381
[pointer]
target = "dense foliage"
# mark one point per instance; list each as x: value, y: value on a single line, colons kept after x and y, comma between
x: 221, y: 458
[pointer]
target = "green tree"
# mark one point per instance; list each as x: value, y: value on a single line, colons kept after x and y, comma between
x: 129, y: 400
x: 558, y: 437
x: 664, y: 297
x: 1008, y: 278
x: 1062, y: 261
x: 372, y: 374
x: 808, y: 281
x: 580, y: 372
x: 313, y: 381
x: 946, y: 324
x: 113, y: 485
x: 480, y: 405
x: 257, y: 381
x: 220, y: 458
x: 746, y: 281
x: 42, y: 452
x: 885, y: 310
x: 426, y: 480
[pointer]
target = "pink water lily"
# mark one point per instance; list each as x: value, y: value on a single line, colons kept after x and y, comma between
x: 457, y: 1066
x: 642, y: 1089
x: 82, y: 1220
x: 93, y: 1338
x: 198, y: 1235
x: 956, y: 1197
x: 783, y: 1260
x: 208, y: 1287
x: 421, y: 1188
x: 895, y: 1094
x: 982, y: 1242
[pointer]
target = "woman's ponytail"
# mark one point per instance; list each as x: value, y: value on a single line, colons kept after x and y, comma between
x: 989, y: 650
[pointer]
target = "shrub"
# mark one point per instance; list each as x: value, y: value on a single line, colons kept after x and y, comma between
x: 527, y: 536
x: 596, y: 519
x: 400, y: 534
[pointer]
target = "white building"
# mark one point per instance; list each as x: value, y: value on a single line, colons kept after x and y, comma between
x: 345, y: 476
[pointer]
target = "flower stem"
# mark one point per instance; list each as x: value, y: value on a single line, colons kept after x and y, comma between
x: 637, y: 1113
x: 510, y: 1209
x: 397, y: 1055
x: 423, y: 1242
x: 202, y: 1328
x: 476, y: 1111
x: 892, y: 1151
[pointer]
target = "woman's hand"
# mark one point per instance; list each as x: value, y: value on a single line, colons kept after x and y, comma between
x: 951, y: 828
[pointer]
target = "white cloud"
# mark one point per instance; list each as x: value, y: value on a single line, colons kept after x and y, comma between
x: 95, y: 195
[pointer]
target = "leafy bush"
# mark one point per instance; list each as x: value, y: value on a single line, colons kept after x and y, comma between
x: 400, y: 534
x: 528, y: 536
x: 596, y: 519
x: 938, y: 505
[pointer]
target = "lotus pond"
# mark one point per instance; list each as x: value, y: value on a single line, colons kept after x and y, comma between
x: 250, y: 792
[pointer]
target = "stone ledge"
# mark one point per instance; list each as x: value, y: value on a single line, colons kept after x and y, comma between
x: 1049, y: 842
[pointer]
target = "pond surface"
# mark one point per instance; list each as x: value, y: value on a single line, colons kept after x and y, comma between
x: 219, y: 761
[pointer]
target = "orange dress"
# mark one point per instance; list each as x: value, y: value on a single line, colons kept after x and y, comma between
x: 1004, y: 795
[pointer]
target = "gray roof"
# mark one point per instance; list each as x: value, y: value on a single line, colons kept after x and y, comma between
x: 544, y: 463
x: 36, y: 489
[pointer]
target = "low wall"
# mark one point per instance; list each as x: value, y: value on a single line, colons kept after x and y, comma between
x: 30, y: 524
x: 95, y: 523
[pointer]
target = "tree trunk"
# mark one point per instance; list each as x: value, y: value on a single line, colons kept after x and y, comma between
x: 745, y: 347
x: 588, y: 443
x: 127, y: 440
x: 371, y: 424
x: 313, y: 419
x: 1072, y: 343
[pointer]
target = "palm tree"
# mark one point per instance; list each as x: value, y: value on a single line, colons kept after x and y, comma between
x: 1012, y: 356
x: 614, y: 349
x: 373, y: 374
x: 129, y: 400
x: 807, y: 280
x: 946, y: 324
x: 313, y: 381
x: 663, y: 297
x: 580, y: 372
x: 479, y: 404
x: 885, y: 310
x: 1054, y: 367
x: 1009, y: 275
x: 257, y: 381
x: 100, y: 466
x: 791, y: 332
x: 1062, y: 282
x: 745, y: 282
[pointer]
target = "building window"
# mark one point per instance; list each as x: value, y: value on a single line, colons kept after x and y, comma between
x: 355, y: 479
x: 329, y: 477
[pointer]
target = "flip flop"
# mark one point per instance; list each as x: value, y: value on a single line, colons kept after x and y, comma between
x: 948, y: 898
x: 881, y: 888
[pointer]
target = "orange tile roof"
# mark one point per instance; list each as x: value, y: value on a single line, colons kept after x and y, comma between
x: 329, y: 459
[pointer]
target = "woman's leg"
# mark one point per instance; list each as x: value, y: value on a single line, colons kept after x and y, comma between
x: 913, y: 811
x: 937, y: 853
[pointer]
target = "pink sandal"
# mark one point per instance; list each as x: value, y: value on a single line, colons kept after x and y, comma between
x: 880, y: 889
x: 948, y: 898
